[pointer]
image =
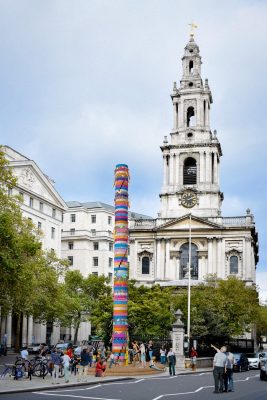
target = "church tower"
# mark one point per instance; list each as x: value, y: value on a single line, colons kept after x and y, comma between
x: 192, y: 158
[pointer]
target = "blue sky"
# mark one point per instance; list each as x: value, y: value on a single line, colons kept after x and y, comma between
x: 85, y: 84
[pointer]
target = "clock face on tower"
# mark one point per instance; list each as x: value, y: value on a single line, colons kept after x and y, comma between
x: 189, y: 199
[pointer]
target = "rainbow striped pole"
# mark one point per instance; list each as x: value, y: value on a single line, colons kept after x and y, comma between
x: 121, y: 236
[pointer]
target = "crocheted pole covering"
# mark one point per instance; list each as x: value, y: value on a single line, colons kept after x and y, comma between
x: 120, y: 293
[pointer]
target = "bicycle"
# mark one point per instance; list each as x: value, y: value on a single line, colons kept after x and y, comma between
x: 9, y: 370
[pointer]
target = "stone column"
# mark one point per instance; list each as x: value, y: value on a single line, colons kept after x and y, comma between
x: 167, y: 252
x: 178, y: 339
x: 30, y: 330
x: 164, y: 170
x: 208, y: 167
x: 201, y: 167
x: 24, y: 330
x: 158, y: 270
x: 9, y: 329
x: 163, y: 259
x: 215, y: 168
x: 210, y: 256
x: 171, y: 169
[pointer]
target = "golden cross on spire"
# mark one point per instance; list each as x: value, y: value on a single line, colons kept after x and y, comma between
x: 192, y: 27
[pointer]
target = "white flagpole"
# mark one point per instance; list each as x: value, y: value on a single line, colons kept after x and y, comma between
x: 189, y: 286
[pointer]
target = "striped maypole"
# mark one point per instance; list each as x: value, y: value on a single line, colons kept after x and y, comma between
x: 121, y: 236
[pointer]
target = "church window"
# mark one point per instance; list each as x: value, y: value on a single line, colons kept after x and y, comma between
x: 190, y: 84
x: 70, y: 259
x: 145, y: 265
x: 190, y: 117
x: 233, y: 265
x: 190, y: 134
x: 95, y: 261
x: 191, y: 67
x: 31, y: 202
x: 93, y: 219
x: 96, y: 246
x: 53, y: 230
x: 72, y: 217
x: 190, y: 171
x: 184, y: 260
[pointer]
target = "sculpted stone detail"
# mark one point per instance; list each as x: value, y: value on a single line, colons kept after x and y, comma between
x: 27, y: 177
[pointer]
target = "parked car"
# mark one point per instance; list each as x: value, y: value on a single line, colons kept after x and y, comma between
x: 35, y: 347
x: 263, y: 369
x: 241, y: 362
x: 254, y: 359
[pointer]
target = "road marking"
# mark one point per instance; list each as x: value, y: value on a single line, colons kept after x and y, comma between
x: 72, y: 396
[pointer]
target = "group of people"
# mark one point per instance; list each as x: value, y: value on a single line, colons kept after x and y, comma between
x: 76, y: 361
x: 223, y: 364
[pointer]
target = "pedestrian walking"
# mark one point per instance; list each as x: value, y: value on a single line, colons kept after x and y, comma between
x: 228, y: 377
x: 54, y: 365
x: 84, y: 363
x: 219, y: 368
x: 171, y: 361
x: 193, y: 356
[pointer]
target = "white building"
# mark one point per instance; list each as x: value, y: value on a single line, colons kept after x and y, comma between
x: 191, y: 190
x: 87, y: 237
x: 45, y: 207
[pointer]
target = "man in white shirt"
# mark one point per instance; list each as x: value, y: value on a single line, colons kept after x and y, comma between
x: 24, y: 354
x: 219, y: 368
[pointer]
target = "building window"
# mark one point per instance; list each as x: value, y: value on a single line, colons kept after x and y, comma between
x: 72, y: 217
x: 110, y: 246
x: 39, y: 226
x: 96, y: 246
x: 22, y: 196
x: 184, y: 260
x: 70, y: 259
x: 53, y: 212
x: 191, y: 67
x: 110, y: 277
x: 9, y: 192
x: 109, y: 220
x: 41, y: 206
x: 31, y: 202
x: 93, y: 219
x: 110, y: 262
x: 53, y: 230
x: 93, y: 231
x: 95, y: 261
x: 95, y: 273
x: 72, y: 231
x: 145, y: 265
x: 233, y: 265
x: 71, y: 245
x: 190, y: 117
x: 190, y: 171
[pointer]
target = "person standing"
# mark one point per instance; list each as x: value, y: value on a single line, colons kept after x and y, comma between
x: 228, y: 376
x: 219, y: 368
x: 150, y: 352
x: 193, y: 356
x: 83, y: 368
x: 143, y: 355
x: 66, y: 366
x: 56, y: 361
x: 162, y: 352
x: 172, y: 361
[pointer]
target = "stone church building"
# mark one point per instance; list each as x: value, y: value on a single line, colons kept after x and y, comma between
x: 191, y: 199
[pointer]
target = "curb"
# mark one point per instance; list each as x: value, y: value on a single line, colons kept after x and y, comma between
x: 67, y: 385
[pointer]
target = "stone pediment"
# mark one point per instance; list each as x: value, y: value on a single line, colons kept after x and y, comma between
x: 182, y: 223
x: 32, y: 179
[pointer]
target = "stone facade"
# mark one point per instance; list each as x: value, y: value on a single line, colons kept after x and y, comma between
x: 191, y: 192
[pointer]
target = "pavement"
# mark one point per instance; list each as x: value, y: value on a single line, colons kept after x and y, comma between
x: 9, y: 385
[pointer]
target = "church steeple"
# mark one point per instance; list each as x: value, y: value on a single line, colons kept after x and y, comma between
x: 191, y: 160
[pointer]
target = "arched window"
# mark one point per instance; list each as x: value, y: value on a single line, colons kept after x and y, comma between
x: 145, y: 265
x: 233, y: 265
x: 191, y: 67
x: 190, y: 171
x: 184, y: 260
x: 190, y: 117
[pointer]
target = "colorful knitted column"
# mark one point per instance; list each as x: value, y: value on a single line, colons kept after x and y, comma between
x: 120, y: 295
